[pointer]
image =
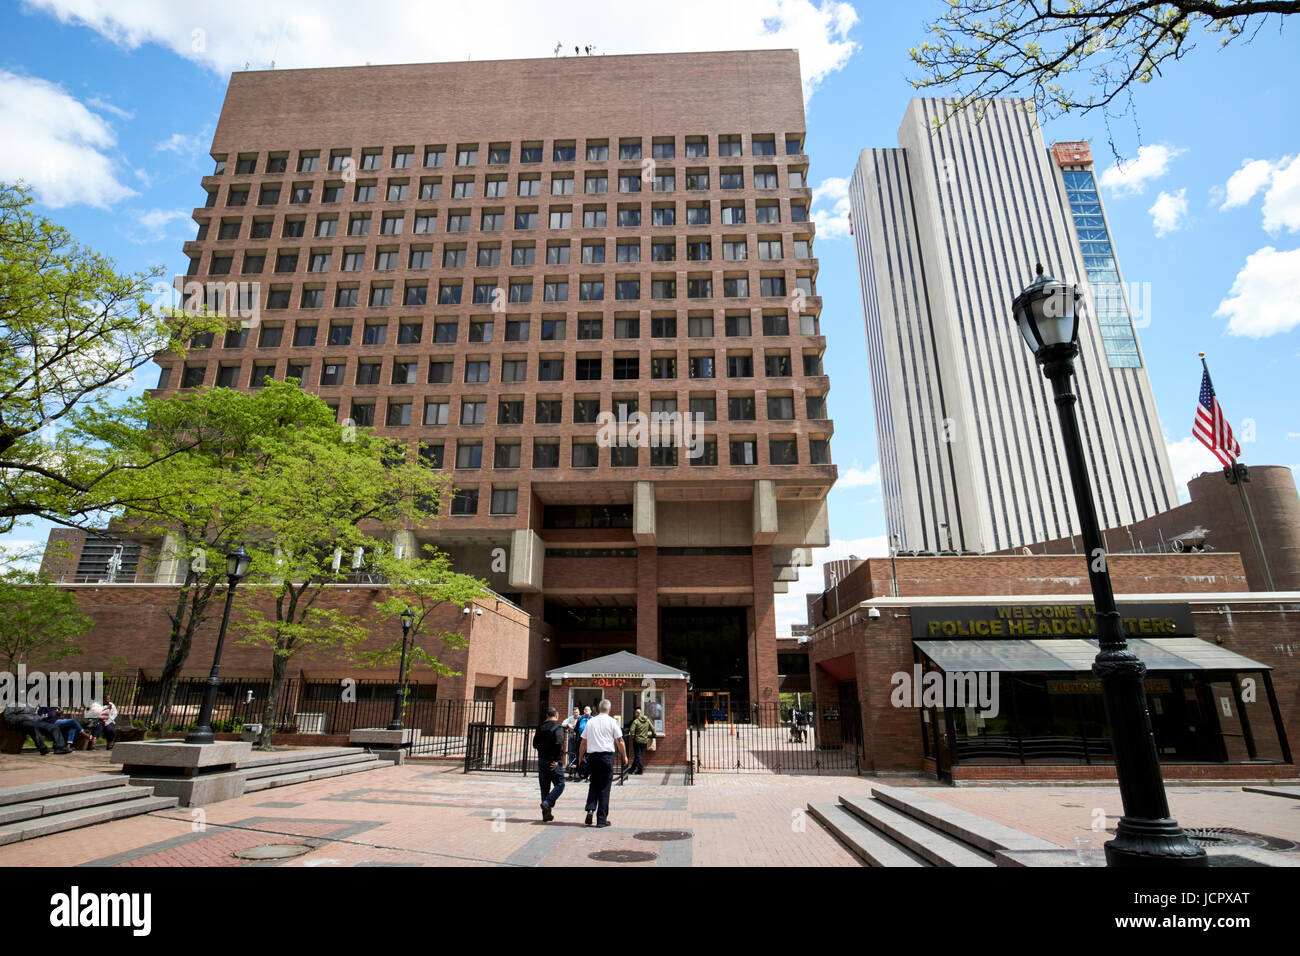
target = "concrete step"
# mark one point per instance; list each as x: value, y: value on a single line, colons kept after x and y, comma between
x: 49, y: 806
x: 57, y: 788
x: 1291, y: 793
x: 960, y: 824
x: 301, y: 766
x: 88, y: 816
x: 933, y: 845
x: 278, y: 758
x: 337, y: 770
x: 866, y: 843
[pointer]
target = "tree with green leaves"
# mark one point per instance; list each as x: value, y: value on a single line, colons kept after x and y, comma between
x: 210, y: 448
x: 1079, y: 56
x: 39, y: 621
x: 324, y: 494
x: 73, y: 332
x: 423, y: 585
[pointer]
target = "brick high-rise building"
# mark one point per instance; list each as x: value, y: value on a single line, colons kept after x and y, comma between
x: 482, y: 257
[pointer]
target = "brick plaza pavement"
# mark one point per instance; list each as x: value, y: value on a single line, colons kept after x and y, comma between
x: 428, y: 813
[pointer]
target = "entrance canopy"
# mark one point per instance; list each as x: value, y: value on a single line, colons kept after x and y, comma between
x: 624, y: 664
x: 1072, y: 654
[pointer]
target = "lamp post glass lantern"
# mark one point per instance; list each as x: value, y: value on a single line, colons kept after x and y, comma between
x: 237, y: 562
x: 408, y: 621
x: 1047, y: 314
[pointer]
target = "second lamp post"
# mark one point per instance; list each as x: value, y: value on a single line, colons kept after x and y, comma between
x: 1047, y: 314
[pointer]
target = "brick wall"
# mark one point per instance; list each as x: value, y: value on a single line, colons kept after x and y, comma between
x: 1031, y: 574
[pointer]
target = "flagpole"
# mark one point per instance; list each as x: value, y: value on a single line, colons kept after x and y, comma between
x: 1238, y: 474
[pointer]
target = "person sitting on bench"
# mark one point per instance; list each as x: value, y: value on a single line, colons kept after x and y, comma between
x: 102, y: 720
x: 24, y: 717
x: 68, y: 727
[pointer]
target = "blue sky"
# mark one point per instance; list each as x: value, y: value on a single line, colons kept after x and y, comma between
x: 110, y: 113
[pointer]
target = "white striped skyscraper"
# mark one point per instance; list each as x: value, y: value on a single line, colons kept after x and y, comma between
x: 948, y: 229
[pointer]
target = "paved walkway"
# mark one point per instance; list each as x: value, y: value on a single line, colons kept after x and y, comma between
x: 428, y: 813
x: 1063, y: 814
x: 431, y: 814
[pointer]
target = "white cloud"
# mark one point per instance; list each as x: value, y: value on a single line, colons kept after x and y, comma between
x: 180, y: 144
x: 21, y: 553
x: 858, y: 477
x: 833, y: 221
x: 1265, y: 296
x: 1189, y: 458
x: 154, y: 223
x: 1131, y: 177
x: 792, y: 607
x: 1282, y: 201
x: 223, y: 37
x: 104, y: 106
x: 1168, y: 212
x: 56, y: 145
x: 1245, y: 182
x: 1293, y: 435
x: 1278, y: 180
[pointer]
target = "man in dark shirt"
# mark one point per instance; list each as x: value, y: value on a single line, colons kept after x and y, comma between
x: 24, y: 717
x: 549, y: 744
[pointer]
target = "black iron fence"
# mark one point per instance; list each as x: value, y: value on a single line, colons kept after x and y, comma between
x: 322, y: 706
x: 771, y: 738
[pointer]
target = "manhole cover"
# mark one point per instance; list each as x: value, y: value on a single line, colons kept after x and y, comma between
x: 622, y: 856
x: 1231, y: 836
x: 663, y: 836
x: 272, y: 851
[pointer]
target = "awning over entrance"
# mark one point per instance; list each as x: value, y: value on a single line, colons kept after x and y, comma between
x: 622, y: 664
x: 1072, y: 654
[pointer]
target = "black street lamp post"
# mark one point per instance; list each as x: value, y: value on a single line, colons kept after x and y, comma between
x: 236, y: 568
x: 1046, y: 312
x: 408, y: 619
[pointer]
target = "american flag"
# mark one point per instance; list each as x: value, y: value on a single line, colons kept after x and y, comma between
x: 1212, y: 427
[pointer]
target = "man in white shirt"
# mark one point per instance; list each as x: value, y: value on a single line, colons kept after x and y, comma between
x: 600, y: 739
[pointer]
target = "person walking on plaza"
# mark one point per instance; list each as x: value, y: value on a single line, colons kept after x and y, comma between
x: 582, y: 725
x: 600, y: 739
x: 549, y: 744
x: 571, y: 735
x: 642, y: 731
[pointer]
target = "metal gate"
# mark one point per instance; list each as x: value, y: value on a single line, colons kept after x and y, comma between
x: 500, y: 749
x: 443, y: 724
x: 772, y: 738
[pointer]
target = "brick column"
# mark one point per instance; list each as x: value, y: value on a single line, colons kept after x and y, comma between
x: 763, y: 682
x: 647, y: 602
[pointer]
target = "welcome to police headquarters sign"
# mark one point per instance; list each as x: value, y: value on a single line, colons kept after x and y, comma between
x: 1047, y: 620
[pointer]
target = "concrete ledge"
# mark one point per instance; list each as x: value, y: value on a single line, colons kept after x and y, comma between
x: 196, y: 791
x: 380, y: 737
x: 180, y: 755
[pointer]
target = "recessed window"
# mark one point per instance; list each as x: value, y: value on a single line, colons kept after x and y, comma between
x: 435, y: 413
x: 470, y: 455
